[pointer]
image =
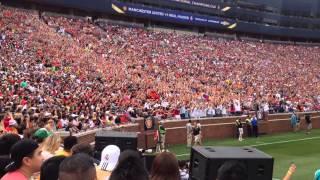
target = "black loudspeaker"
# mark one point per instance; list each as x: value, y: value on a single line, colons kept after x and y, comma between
x: 148, y: 160
x: 124, y: 140
x: 205, y: 162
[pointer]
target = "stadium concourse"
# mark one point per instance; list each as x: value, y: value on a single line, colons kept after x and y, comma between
x: 73, y: 74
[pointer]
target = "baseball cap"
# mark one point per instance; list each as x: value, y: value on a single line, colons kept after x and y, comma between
x: 23, y: 148
x: 42, y: 133
x: 109, y: 157
x: 12, y: 122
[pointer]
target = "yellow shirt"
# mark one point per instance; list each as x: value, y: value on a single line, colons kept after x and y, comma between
x: 101, y: 174
x: 62, y: 152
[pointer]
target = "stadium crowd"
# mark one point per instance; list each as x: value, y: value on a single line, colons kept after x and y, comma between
x: 83, y: 74
x: 71, y: 73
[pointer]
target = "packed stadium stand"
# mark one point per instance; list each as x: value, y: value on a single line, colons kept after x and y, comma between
x: 77, y: 66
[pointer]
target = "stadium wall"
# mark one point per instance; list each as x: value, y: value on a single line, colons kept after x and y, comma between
x: 212, y: 128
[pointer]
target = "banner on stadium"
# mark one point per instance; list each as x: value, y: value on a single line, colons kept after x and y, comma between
x: 168, y: 15
x: 201, y: 3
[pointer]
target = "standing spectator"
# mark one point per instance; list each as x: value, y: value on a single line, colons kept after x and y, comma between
x: 189, y: 133
x: 183, y: 112
x: 50, y: 168
x: 12, y: 127
x: 68, y: 143
x: 129, y: 167
x: 298, y: 123
x: 161, y: 137
x: 308, y: 123
x: 26, y: 160
x: 265, y: 107
x: 232, y: 170
x: 85, y: 148
x: 41, y: 134
x: 239, y: 127
x: 200, y: 132
x: 50, y: 146
x: 249, y: 126
x: 196, y: 134
x: 6, y: 142
x: 293, y: 121
x: 184, y: 170
x: 165, y: 167
x: 109, y: 159
x: 254, y: 124
x: 79, y: 166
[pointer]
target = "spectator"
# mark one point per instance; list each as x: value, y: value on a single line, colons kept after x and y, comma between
x: 249, y: 126
x: 255, y: 128
x: 317, y: 175
x: 40, y: 135
x: 232, y: 170
x: 196, y: 134
x: 239, y: 127
x: 161, y: 138
x: 294, y: 121
x: 12, y: 127
x: 308, y: 123
x: 165, y: 167
x: 79, y: 166
x: 50, y: 168
x: 130, y: 166
x: 291, y: 171
x: 109, y: 159
x: 189, y: 133
x: 68, y: 143
x: 86, y: 149
x: 184, y: 170
x: 50, y: 146
x: 6, y: 142
x: 26, y: 160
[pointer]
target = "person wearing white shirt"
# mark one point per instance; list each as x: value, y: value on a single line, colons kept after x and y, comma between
x: 223, y: 111
x: 237, y: 106
x: 211, y: 112
x: 265, y: 111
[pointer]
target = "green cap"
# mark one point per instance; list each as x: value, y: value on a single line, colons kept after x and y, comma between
x: 42, y: 133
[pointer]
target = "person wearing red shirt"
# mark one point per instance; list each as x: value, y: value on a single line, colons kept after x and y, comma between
x: 6, y: 120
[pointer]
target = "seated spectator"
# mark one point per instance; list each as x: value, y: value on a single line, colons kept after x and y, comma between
x: 79, y: 166
x: 184, y: 170
x: 26, y: 159
x: 165, y: 167
x: 68, y: 143
x: 130, y: 166
x: 232, y: 170
x: 50, y: 146
x: 6, y: 142
x: 50, y: 168
x: 86, y: 149
x: 109, y: 159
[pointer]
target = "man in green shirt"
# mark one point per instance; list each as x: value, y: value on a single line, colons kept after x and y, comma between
x: 161, y: 138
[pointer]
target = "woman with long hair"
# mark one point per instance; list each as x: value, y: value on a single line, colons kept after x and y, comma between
x: 50, y: 146
x: 165, y: 167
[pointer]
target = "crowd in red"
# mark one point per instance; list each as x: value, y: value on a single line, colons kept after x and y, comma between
x: 76, y: 71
